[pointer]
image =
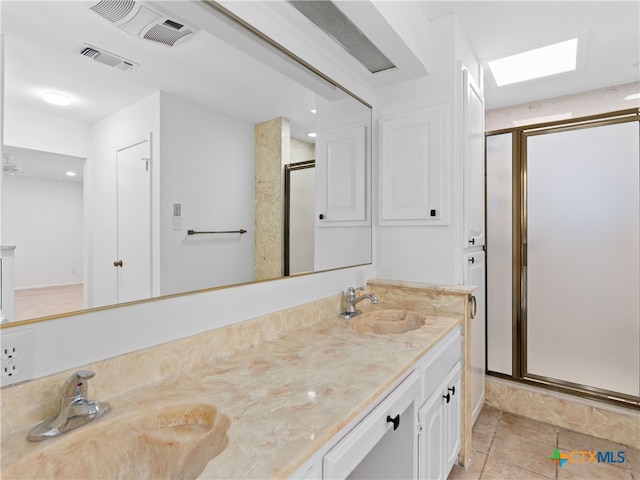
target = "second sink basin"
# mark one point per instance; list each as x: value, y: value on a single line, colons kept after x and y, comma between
x: 383, y: 322
x: 168, y: 442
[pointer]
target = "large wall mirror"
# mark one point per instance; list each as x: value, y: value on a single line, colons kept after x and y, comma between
x: 163, y: 173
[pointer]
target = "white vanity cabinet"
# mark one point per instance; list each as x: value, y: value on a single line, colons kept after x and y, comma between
x: 440, y: 416
x: 439, y: 421
x: 384, y: 444
x: 414, y: 431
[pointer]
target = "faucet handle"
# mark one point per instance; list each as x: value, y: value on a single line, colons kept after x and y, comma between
x: 76, y: 385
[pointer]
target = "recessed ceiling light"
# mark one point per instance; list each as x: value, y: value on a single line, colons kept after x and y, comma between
x: 311, y: 134
x: 71, y: 174
x: 633, y: 96
x: 540, y: 62
x: 56, y: 98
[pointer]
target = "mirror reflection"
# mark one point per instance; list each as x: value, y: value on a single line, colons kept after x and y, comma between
x: 171, y: 120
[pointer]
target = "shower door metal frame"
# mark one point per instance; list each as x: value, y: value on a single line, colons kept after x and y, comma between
x: 519, y: 260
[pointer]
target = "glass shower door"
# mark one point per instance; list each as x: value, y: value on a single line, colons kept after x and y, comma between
x: 582, y: 262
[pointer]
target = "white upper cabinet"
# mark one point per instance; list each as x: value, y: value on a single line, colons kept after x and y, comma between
x: 341, y: 176
x: 473, y: 160
x: 413, y: 168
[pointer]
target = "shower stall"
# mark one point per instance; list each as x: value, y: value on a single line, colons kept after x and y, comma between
x: 563, y: 255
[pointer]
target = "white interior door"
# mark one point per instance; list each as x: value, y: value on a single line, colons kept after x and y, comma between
x: 134, y: 221
x: 583, y: 244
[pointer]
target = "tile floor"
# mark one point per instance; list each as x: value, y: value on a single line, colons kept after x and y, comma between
x: 507, y: 446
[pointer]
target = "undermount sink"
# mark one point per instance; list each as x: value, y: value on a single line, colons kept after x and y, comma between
x: 383, y: 322
x: 168, y: 442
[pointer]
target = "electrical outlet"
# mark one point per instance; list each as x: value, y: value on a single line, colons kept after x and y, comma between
x: 17, y: 353
x: 360, y: 283
x: 10, y: 370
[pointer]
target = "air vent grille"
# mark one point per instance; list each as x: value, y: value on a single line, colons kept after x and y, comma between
x: 89, y: 52
x: 167, y: 36
x: 106, y: 58
x: 330, y: 19
x: 113, y: 10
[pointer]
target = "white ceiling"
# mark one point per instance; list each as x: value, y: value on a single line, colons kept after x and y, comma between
x: 608, y: 31
x: 40, y: 38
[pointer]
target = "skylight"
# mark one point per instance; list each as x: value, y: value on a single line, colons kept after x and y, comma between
x: 538, y: 63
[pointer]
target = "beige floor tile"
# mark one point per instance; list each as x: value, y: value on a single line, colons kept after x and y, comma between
x: 571, y: 440
x: 523, y: 452
x: 528, y: 428
x: 473, y: 472
x: 633, y: 457
x: 593, y: 471
x: 489, y: 416
x: 482, y: 436
x: 494, y: 469
x: 575, y: 441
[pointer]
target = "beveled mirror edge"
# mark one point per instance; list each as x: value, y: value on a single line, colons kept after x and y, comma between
x: 250, y: 28
x: 22, y: 323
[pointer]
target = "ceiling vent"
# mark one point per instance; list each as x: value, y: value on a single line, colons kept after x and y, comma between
x: 106, y: 58
x: 330, y: 19
x: 142, y: 21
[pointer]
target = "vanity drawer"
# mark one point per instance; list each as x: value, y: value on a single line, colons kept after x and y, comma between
x: 439, y: 362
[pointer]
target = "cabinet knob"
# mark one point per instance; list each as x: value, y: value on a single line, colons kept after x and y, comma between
x: 447, y: 396
x: 472, y: 241
x: 395, y: 421
x: 472, y: 260
x: 452, y: 390
x: 117, y: 263
x: 321, y: 216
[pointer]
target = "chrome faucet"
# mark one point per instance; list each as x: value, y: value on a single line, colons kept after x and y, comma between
x: 352, y: 300
x: 75, y: 409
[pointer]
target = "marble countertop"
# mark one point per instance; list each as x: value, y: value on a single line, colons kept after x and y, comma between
x: 285, y: 398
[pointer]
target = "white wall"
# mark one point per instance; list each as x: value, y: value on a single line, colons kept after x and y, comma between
x: 430, y: 254
x: 137, y: 121
x: 26, y: 129
x: 207, y: 167
x: 43, y: 219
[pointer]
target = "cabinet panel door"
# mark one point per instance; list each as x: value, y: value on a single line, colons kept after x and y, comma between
x: 341, y: 175
x: 473, y: 159
x: 413, y: 168
x: 430, y: 439
x: 452, y: 417
x: 474, y: 275
x: 376, y: 448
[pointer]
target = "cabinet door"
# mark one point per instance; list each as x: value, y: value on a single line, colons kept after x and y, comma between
x: 413, y: 171
x: 452, y: 417
x: 473, y: 160
x: 431, y: 439
x: 474, y: 275
x: 341, y: 176
x: 377, y: 448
